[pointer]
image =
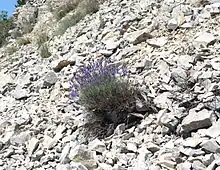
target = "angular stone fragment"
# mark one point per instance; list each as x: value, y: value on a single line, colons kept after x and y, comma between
x: 184, y: 166
x: 214, y: 130
x: 152, y: 147
x: 139, y: 36
x: 32, y: 145
x: 82, y: 155
x: 204, y: 39
x: 211, y: 146
x: 158, y: 42
x: 197, y: 120
x: 73, y: 166
x: 97, y: 145
x: 50, y: 79
x: 20, y: 93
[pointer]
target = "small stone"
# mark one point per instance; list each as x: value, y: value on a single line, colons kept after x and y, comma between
x: 64, y: 154
x: 198, y: 165
x: 111, y: 44
x: 50, y: 79
x: 82, y: 154
x: 73, y: 166
x: 158, y: 42
x: 139, y: 36
x: 172, y: 24
x: 211, y: 146
x: 192, y: 142
x: 62, y: 64
x: 214, y: 130
x: 32, y: 145
x: 152, y: 147
x: 97, y: 145
x: 49, y: 142
x: 184, y: 166
x: 197, y: 120
x: 132, y: 147
x: 8, y: 153
x: 20, y: 93
x: 204, y: 39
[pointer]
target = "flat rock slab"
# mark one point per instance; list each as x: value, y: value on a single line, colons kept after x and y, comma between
x: 197, y: 120
x: 139, y: 36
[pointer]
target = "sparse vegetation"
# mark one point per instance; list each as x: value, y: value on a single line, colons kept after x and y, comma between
x: 23, y: 41
x: 42, y: 39
x: 44, y: 51
x: 27, y: 27
x: 20, y: 3
x: 83, y: 8
x: 102, y: 88
x: 6, y: 24
x: 65, y: 8
x: 11, y: 50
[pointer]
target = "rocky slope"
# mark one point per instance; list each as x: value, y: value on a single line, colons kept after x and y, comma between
x: 172, y: 51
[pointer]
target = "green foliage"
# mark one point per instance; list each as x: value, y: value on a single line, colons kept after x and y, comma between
x: 27, y: 27
x: 23, y: 41
x: 102, y: 87
x: 6, y: 24
x: 41, y: 39
x: 65, y: 8
x: 114, y: 95
x: 44, y: 51
x: 84, y: 8
x: 11, y: 50
x: 20, y: 3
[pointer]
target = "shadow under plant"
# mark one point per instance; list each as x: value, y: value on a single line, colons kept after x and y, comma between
x: 104, y: 89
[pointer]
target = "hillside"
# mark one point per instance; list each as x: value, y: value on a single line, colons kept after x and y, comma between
x: 172, y: 53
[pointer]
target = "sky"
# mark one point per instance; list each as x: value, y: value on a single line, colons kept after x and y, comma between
x: 8, y: 5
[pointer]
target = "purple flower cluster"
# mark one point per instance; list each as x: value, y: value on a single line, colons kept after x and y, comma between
x: 98, y: 73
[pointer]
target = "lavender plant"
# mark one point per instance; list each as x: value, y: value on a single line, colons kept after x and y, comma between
x: 103, y: 87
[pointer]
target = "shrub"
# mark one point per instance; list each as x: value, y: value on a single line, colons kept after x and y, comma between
x: 11, y: 50
x: 6, y: 24
x: 27, y: 27
x: 23, y: 41
x: 65, y: 8
x: 20, y: 3
x: 84, y: 8
x: 44, y: 51
x: 42, y: 39
x: 104, y: 89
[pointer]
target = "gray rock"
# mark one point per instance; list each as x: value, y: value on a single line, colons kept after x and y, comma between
x: 184, y: 166
x: 179, y: 75
x: 20, y: 93
x: 32, y: 145
x: 20, y: 139
x: 197, y: 165
x: 139, y: 36
x: 73, y: 166
x: 50, y: 79
x: 204, y: 40
x: 152, y: 147
x: 214, y: 130
x: 81, y: 154
x: 192, y: 142
x: 111, y: 44
x: 158, y: 42
x: 172, y: 24
x: 167, y: 119
x: 97, y: 145
x: 197, y: 120
x: 131, y: 146
x: 8, y: 153
x: 64, y: 154
x: 211, y: 146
